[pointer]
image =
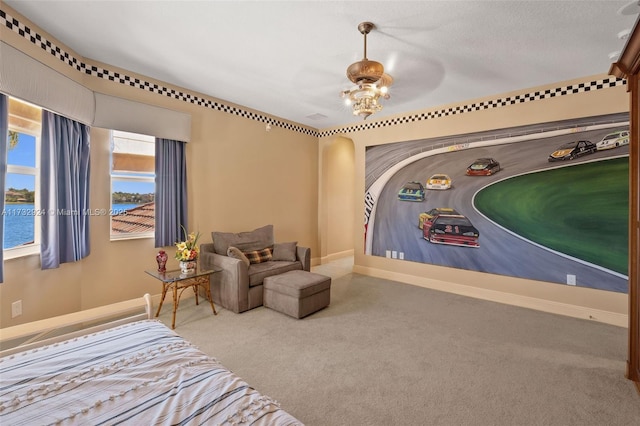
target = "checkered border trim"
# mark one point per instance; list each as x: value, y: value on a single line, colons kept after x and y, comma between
x: 38, y: 40
x: 497, y: 103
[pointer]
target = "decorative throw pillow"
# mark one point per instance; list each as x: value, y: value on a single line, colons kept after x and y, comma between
x: 285, y: 251
x: 245, y: 241
x: 237, y: 254
x: 259, y: 256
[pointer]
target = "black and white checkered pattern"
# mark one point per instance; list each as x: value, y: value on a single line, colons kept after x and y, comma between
x: 38, y: 40
x: 495, y: 103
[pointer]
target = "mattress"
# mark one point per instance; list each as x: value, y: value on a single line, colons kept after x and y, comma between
x: 141, y: 373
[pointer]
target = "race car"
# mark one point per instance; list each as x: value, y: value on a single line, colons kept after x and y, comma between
x: 411, y: 191
x: 483, y: 167
x: 439, y: 181
x: 571, y: 150
x: 431, y: 213
x: 451, y: 229
x: 613, y: 140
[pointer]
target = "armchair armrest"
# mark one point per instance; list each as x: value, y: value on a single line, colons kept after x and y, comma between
x: 229, y: 287
x: 303, y: 254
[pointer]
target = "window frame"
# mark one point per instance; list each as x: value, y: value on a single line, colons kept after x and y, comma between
x: 34, y: 248
x: 129, y: 177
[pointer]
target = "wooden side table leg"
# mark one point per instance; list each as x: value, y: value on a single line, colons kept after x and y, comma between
x: 207, y: 292
x: 195, y: 289
x: 164, y: 293
x: 175, y: 305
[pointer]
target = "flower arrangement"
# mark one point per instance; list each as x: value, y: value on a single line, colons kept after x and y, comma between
x: 188, y: 249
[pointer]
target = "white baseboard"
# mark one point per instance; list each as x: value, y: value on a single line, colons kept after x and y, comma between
x: 336, y: 256
x: 575, y: 311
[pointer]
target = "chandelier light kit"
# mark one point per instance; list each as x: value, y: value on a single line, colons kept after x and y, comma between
x: 371, y: 82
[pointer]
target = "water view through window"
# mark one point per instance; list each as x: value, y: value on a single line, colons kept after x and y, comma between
x: 20, y: 186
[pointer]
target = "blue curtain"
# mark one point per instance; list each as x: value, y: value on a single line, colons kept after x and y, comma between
x: 64, y: 182
x: 171, y: 191
x: 4, y: 134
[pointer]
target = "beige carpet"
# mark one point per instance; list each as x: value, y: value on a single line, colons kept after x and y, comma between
x: 386, y: 353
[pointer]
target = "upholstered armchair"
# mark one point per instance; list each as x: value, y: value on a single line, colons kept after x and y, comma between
x: 246, y: 259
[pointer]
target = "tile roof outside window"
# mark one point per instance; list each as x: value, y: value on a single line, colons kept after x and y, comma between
x: 136, y: 220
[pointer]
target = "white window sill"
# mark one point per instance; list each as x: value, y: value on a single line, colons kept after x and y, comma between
x: 127, y: 237
x: 16, y: 252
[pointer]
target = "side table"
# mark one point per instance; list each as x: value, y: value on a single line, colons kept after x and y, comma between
x: 178, y: 282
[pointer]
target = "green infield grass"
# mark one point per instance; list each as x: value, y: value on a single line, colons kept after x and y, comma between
x: 581, y: 210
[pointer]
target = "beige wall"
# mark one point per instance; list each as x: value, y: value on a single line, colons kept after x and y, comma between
x: 241, y: 177
x: 339, y: 201
x: 600, y: 305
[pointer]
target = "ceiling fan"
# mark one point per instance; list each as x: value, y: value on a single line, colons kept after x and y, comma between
x: 371, y: 82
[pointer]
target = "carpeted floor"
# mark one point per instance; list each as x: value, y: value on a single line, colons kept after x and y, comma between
x: 386, y: 353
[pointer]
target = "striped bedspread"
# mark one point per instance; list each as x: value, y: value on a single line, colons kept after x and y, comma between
x: 141, y: 373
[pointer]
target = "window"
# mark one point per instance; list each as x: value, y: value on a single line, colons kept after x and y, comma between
x: 22, y: 205
x: 132, y: 185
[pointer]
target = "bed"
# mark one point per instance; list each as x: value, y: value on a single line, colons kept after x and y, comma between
x: 139, y: 373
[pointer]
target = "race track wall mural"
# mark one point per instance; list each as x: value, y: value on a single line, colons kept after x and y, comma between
x: 547, y: 202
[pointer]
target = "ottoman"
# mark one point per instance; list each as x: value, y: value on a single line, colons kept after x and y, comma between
x: 297, y: 293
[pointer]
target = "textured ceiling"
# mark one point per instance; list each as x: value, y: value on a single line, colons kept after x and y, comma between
x: 289, y: 58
